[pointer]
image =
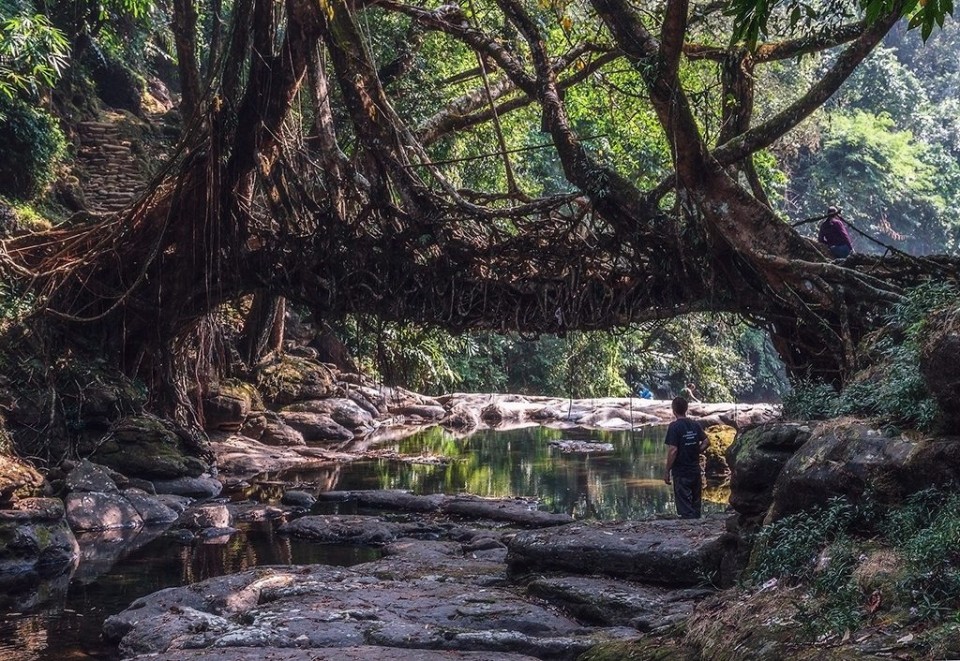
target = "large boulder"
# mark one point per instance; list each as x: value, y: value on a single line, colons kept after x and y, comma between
x: 756, y: 458
x: 151, y: 509
x: 277, y: 432
x: 343, y: 411
x: 227, y: 405
x: 35, y: 537
x: 316, y: 426
x: 101, y: 511
x: 847, y: 459
x: 291, y: 379
x: 86, y: 476
x: 146, y: 446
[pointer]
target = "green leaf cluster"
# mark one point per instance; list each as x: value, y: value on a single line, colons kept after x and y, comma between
x: 821, y: 550
x: 33, y: 53
x: 31, y: 147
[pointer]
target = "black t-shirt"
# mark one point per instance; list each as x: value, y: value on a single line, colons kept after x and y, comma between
x: 686, y: 435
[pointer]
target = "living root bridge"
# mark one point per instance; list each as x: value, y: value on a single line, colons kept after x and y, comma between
x: 260, y: 198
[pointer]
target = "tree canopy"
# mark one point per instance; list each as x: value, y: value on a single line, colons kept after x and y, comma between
x: 499, y: 165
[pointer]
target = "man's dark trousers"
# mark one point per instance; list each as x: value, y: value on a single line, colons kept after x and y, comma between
x: 687, y: 489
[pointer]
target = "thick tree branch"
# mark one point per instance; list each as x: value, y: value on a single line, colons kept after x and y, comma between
x: 785, y: 49
x: 767, y: 133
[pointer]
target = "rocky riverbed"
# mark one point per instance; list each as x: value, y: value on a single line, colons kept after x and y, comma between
x: 453, y: 580
x: 460, y: 576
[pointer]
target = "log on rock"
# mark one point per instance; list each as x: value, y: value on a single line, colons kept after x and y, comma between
x: 672, y: 552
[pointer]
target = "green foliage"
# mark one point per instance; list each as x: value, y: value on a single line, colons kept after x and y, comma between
x: 752, y: 17
x: 33, y: 53
x: 893, y: 389
x: 885, y: 180
x: 811, y: 400
x: 790, y: 548
x: 927, y: 529
x: 406, y: 354
x: 820, y: 550
x: 31, y: 147
x: 897, y: 391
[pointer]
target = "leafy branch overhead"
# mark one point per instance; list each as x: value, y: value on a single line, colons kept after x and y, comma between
x: 753, y: 19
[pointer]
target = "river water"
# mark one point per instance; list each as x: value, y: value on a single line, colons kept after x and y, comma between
x: 63, y: 622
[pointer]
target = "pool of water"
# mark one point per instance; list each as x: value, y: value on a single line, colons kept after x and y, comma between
x: 66, y: 626
x: 626, y: 483
x: 623, y: 484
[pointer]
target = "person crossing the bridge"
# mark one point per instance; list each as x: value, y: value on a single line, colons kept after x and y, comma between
x: 833, y: 233
x: 686, y: 441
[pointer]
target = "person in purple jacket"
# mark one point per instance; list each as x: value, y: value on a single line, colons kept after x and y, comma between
x: 833, y: 233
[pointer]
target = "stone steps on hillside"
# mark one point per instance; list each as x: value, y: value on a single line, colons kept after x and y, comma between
x: 109, y: 171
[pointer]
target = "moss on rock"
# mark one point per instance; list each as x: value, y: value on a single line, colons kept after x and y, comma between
x: 293, y: 379
x: 721, y: 438
x: 146, y: 446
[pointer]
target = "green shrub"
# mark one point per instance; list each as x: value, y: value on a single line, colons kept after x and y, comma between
x: 789, y: 548
x: 893, y: 389
x: 820, y: 551
x: 811, y: 400
x: 31, y: 147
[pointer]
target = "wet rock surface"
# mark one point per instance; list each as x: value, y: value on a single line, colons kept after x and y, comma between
x: 442, y: 586
x: 518, y: 511
x: 359, y: 653
x: 325, y: 607
x: 671, y: 552
x: 35, y: 538
x: 756, y: 458
x: 609, y: 602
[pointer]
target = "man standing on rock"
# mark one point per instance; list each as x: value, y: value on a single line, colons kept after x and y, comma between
x: 686, y: 441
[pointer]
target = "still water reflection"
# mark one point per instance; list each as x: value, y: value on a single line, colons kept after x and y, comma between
x: 624, y: 484
x: 67, y: 625
x: 62, y: 619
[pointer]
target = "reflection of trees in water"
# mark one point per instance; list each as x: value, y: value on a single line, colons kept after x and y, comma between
x: 626, y: 484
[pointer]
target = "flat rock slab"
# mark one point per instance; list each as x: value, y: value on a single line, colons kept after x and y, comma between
x: 327, y: 607
x: 671, y: 552
x: 609, y: 602
x: 360, y: 653
x: 334, y: 529
x: 567, y: 446
x: 518, y: 511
